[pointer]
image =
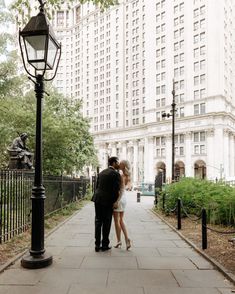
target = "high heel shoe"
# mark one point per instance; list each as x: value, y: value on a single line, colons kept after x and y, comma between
x: 128, y: 244
x: 119, y: 244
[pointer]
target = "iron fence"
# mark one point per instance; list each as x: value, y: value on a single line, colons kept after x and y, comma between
x: 15, y: 203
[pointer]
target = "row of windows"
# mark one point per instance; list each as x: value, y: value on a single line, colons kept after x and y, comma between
x: 179, y: 151
x: 180, y: 138
x: 197, y: 110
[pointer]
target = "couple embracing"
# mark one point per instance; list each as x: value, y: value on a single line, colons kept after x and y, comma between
x: 110, y: 200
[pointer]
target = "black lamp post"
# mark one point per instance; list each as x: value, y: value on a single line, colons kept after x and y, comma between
x: 42, y: 51
x: 172, y: 114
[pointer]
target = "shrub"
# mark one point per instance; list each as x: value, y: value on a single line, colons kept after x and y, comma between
x: 217, y: 198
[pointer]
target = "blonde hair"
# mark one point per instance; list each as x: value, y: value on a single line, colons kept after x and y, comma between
x: 127, y: 170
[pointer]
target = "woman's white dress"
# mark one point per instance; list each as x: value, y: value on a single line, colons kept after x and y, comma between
x: 122, y: 201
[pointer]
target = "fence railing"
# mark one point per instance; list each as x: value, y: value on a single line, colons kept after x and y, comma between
x: 179, y: 206
x: 15, y: 194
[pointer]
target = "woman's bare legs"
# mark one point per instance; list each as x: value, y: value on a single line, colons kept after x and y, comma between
x: 123, y: 227
x: 116, y: 216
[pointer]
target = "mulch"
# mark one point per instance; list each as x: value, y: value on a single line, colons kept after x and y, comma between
x: 218, y: 245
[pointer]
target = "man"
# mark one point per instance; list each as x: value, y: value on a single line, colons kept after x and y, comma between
x: 19, y: 145
x: 106, y: 193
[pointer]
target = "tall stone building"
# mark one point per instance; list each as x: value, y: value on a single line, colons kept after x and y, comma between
x: 121, y: 63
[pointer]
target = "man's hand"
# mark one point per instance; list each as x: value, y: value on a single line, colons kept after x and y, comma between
x: 115, y: 205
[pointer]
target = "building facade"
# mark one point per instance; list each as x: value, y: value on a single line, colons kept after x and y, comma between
x: 122, y: 62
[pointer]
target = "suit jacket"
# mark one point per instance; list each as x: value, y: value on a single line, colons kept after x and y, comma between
x: 107, y: 187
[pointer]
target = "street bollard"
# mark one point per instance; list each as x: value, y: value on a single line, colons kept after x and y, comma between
x: 179, y: 214
x: 138, y: 196
x: 204, y: 229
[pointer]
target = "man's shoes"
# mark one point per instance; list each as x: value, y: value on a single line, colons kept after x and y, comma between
x: 97, y: 249
x: 105, y: 248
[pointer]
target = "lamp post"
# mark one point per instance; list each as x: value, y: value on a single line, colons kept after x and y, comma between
x: 172, y: 114
x: 41, y: 50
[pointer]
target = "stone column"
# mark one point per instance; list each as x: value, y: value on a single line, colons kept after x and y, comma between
x: 168, y: 157
x: 124, y: 150
x: 226, y: 153
x: 189, y: 163
x: 211, y: 170
x: 218, y: 149
x: 148, y: 160
x: 141, y: 161
x: 135, y: 162
x: 113, y: 149
x: 231, y: 154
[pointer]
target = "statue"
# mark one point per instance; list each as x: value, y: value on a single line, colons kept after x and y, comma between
x: 20, y: 156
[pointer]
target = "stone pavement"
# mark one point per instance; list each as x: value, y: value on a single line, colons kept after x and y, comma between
x: 159, y: 261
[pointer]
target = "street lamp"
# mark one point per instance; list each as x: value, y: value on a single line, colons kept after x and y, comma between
x: 42, y: 51
x: 172, y: 114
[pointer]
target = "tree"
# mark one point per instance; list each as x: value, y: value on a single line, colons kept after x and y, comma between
x: 10, y: 81
x: 20, y: 5
x: 67, y: 142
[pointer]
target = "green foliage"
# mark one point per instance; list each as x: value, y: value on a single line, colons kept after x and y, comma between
x: 24, y: 5
x: 217, y: 198
x: 67, y: 143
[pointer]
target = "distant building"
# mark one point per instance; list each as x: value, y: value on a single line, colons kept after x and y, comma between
x: 121, y: 64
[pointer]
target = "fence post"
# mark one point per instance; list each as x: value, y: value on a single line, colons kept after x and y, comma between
x: 138, y: 196
x: 204, y: 230
x: 163, y: 201
x: 179, y: 214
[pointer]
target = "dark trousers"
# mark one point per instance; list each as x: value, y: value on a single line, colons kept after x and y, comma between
x: 103, y: 220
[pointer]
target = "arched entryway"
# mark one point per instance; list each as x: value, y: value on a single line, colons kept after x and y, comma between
x: 179, y: 170
x: 200, y: 169
x: 161, y: 167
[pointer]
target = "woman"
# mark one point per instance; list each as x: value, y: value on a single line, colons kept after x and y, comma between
x: 120, y: 205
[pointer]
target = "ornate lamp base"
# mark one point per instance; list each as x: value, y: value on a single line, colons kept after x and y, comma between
x: 29, y: 261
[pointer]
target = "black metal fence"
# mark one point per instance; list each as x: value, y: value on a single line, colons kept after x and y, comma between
x: 15, y: 203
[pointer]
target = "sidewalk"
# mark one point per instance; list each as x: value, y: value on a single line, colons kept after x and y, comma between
x: 159, y: 262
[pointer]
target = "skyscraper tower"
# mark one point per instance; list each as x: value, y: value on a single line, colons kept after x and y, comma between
x: 121, y: 64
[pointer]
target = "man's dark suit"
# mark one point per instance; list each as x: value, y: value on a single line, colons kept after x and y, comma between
x: 106, y: 193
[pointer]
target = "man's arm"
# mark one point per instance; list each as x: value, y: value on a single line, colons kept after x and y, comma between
x: 117, y: 186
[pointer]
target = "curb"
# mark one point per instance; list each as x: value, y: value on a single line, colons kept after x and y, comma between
x: 216, y: 264
x: 10, y: 262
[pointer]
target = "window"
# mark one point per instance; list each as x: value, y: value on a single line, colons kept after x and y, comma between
x: 181, y: 111
x: 196, y: 80
x: 196, y: 25
x: 199, y: 136
x: 202, y: 93
x: 202, y: 79
x: 196, y: 66
x: 196, y: 52
x: 202, y: 108
x: 202, y: 64
x: 176, y: 72
x: 203, y: 50
x: 196, y: 109
x: 196, y: 12
x: 196, y: 94
x: 182, y: 97
x: 202, y: 36
x: 196, y: 39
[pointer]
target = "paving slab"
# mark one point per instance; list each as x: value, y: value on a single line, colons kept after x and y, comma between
x: 200, y: 278
x: 179, y: 290
x: 75, y: 289
x: 159, y: 260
